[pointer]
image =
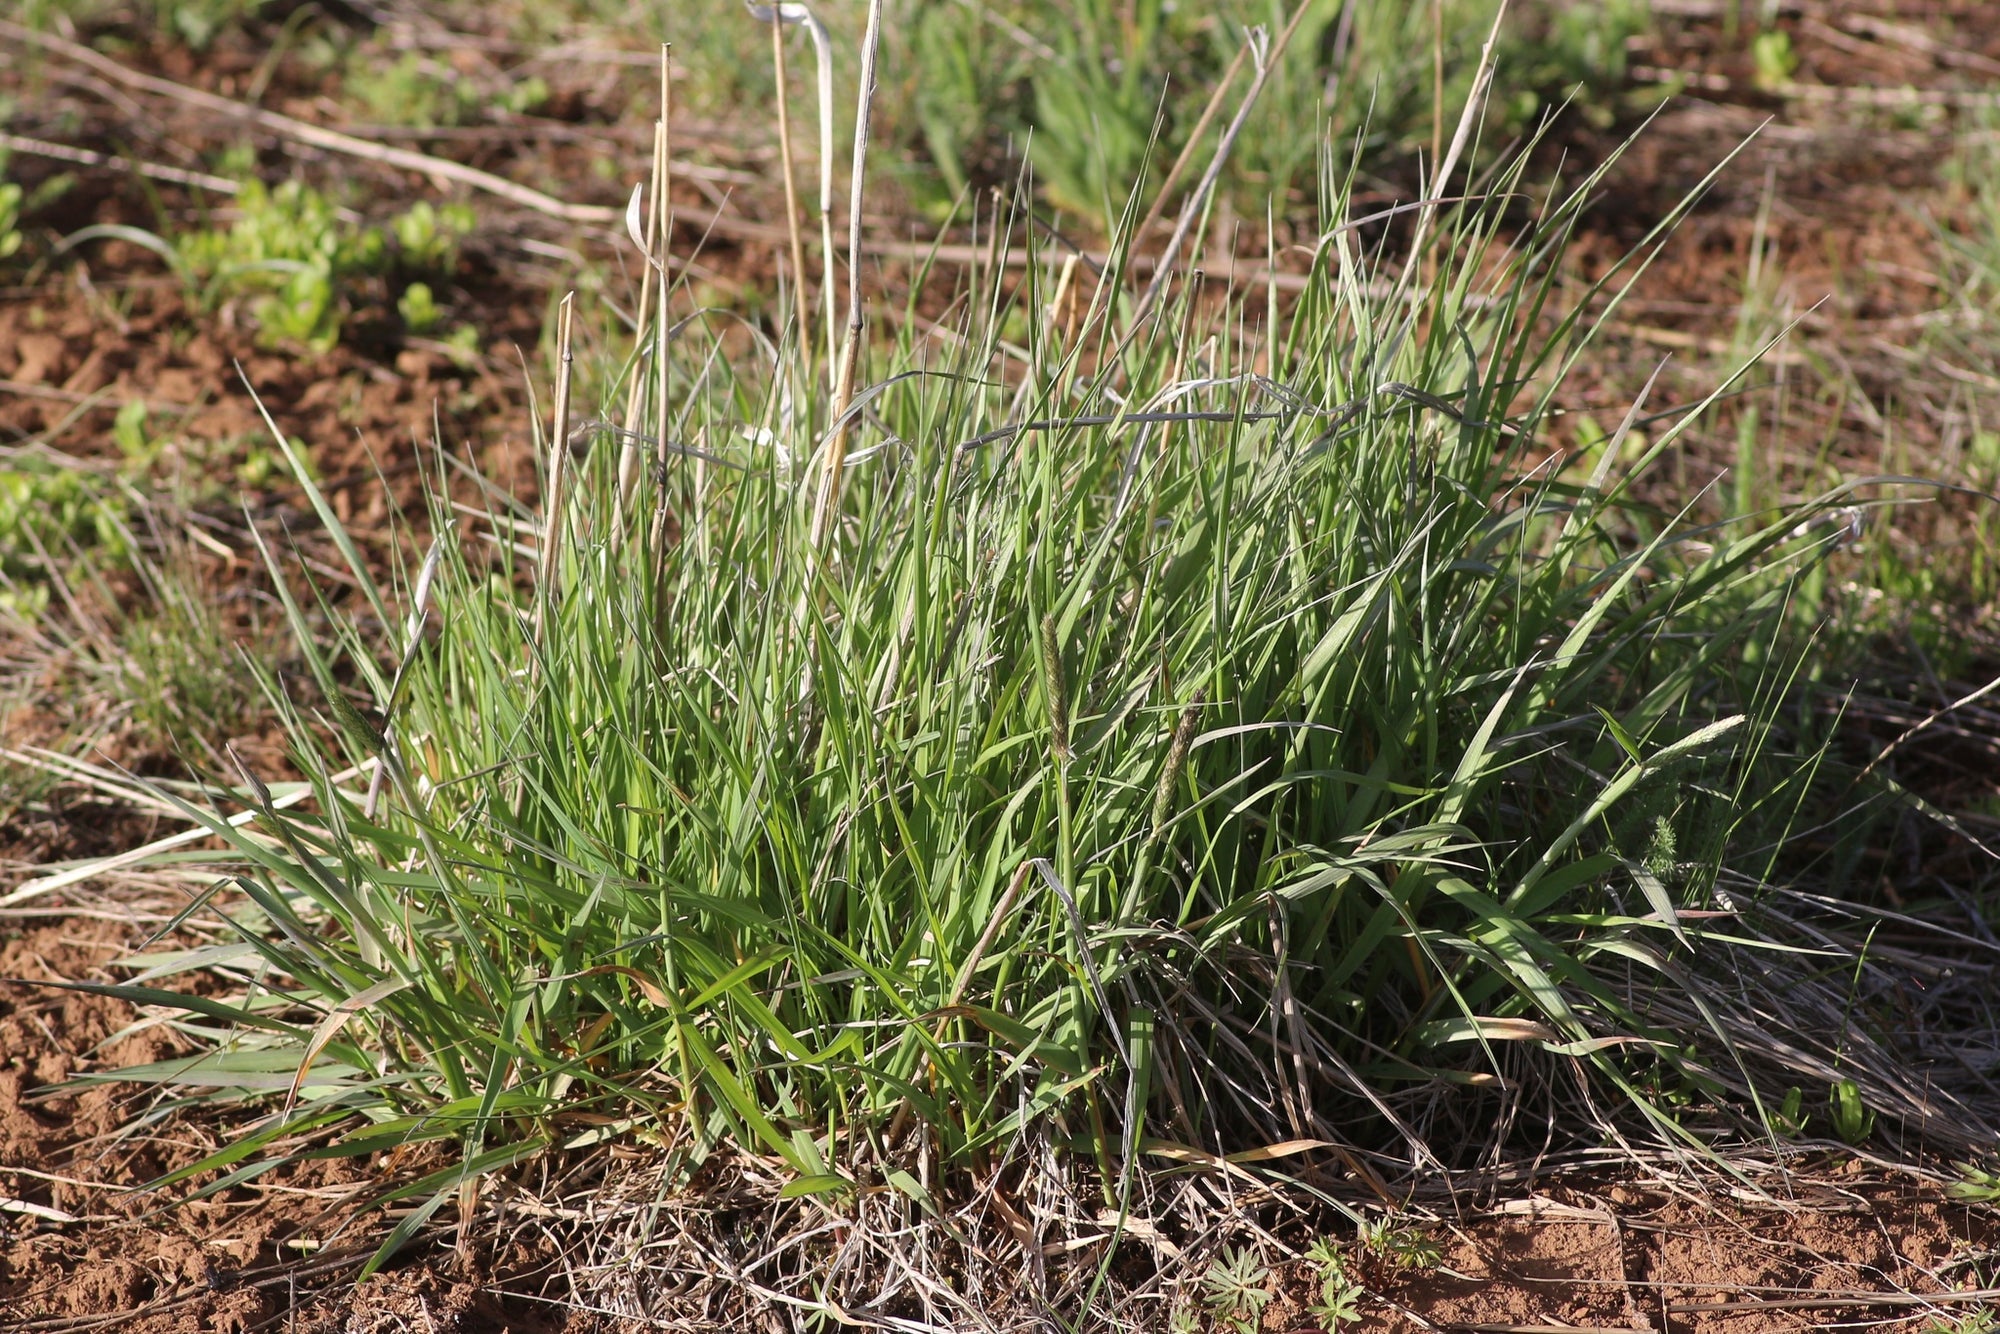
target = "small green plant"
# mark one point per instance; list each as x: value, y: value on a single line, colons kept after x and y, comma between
x: 1399, y: 1245
x: 428, y: 238
x: 17, y: 202
x: 1773, y: 59
x: 420, y: 90
x: 128, y: 432
x: 418, y: 308
x: 462, y: 345
x: 1339, y: 1295
x: 1975, y: 1183
x: 261, y: 462
x: 298, y: 262
x: 1852, y: 1121
x: 199, y: 22
x: 46, y: 514
x: 1236, y: 1290
x: 413, y: 89
x: 1983, y: 1321
x: 1982, y: 455
x: 290, y: 251
x: 1788, y: 1118
x: 10, y: 218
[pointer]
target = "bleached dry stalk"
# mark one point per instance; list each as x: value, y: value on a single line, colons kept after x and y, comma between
x: 550, y: 564
x: 1187, y: 152
x: 1266, y: 58
x: 850, y: 356
x: 791, y: 11
x: 1441, y: 173
x: 803, y: 336
x: 663, y: 207
x: 635, y: 394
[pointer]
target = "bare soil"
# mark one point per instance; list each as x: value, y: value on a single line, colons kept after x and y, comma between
x: 1832, y: 216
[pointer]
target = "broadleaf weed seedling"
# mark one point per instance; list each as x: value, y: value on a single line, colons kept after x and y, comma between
x: 1400, y: 1245
x: 1236, y: 1289
x: 1340, y: 1296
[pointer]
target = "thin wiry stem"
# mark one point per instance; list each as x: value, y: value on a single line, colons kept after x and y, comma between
x: 843, y: 394
x: 635, y: 394
x: 802, y: 336
x: 663, y: 206
x: 550, y: 562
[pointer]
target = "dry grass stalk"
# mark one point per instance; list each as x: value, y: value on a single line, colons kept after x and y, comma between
x: 803, y: 335
x: 1187, y: 152
x: 850, y: 357
x: 436, y: 168
x: 550, y: 562
x: 201, y: 180
x: 1482, y: 79
x: 663, y: 208
x: 1437, y: 84
x: 635, y: 396
x: 1198, y: 200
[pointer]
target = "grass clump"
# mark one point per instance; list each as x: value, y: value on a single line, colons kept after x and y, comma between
x: 1206, y: 730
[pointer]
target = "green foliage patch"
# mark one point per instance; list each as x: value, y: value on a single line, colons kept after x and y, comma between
x: 299, y: 262
x: 1254, y: 680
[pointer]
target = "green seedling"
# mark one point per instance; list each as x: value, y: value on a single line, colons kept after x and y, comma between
x: 49, y: 516
x: 1236, y: 1289
x: 419, y: 89
x: 428, y: 238
x: 1773, y: 59
x: 17, y: 202
x: 1788, y: 1118
x: 296, y: 261
x: 128, y: 431
x: 416, y: 88
x: 1975, y: 1182
x: 1340, y: 1296
x: 291, y: 253
x: 262, y: 462
x: 418, y: 308
x: 199, y: 22
x: 10, y: 219
x: 1400, y: 1245
x: 1983, y: 1321
x: 463, y: 344
x: 1852, y: 1120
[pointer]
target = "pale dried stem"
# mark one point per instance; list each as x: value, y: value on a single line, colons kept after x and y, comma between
x: 1197, y: 201
x: 635, y: 394
x: 843, y: 394
x: 437, y: 168
x: 803, y: 335
x: 1159, y: 207
x: 1437, y: 86
x: 663, y: 206
x: 16, y: 143
x: 550, y: 563
x: 1442, y: 171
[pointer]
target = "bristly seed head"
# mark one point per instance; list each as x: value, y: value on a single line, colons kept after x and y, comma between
x: 1056, y: 692
x: 1177, y: 753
